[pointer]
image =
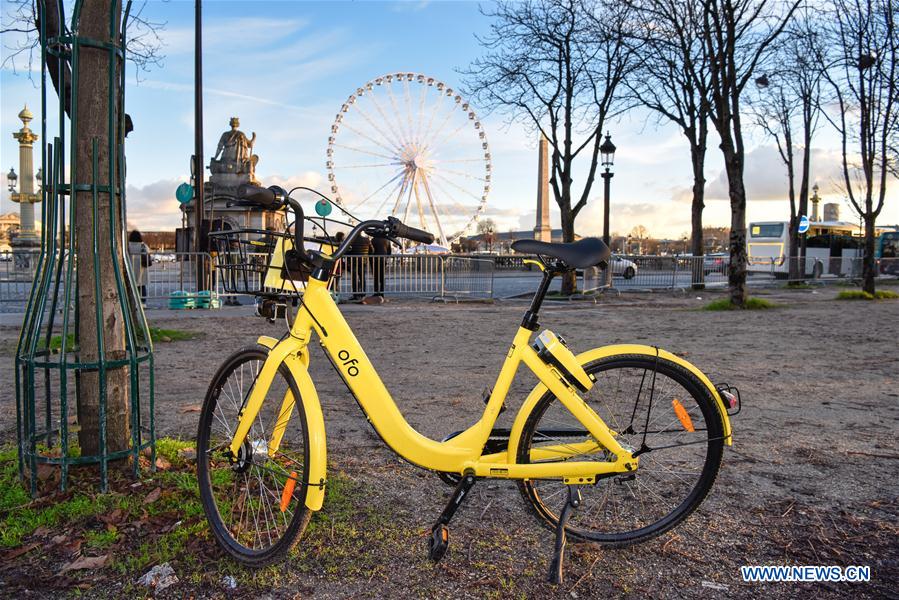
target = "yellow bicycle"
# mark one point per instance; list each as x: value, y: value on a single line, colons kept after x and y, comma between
x: 615, y: 445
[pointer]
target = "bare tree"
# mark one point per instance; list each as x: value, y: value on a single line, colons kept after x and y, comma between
x: 21, y: 23
x: 100, y: 20
x: 672, y: 80
x: 787, y: 109
x: 737, y: 34
x: 555, y: 65
x: 864, y: 74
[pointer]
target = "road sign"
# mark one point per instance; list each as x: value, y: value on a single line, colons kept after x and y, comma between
x: 184, y: 193
x: 803, y: 224
x: 323, y: 208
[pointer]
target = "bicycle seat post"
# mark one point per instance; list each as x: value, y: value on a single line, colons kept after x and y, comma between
x: 530, y: 320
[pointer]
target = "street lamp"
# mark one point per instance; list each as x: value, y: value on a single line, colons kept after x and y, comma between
x: 12, y: 178
x: 607, y: 150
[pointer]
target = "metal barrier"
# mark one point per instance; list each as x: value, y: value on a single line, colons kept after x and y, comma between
x: 17, y: 270
x: 175, y: 274
x: 434, y: 275
x: 452, y: 276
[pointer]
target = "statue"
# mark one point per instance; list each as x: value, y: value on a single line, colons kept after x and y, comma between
x: 234, y: 154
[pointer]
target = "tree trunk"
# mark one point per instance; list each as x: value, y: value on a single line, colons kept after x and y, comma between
x: 93, y: 124
x: 736, y: 272
x: 569, y: 279
x: 697, y: 155
x: 869, y: 268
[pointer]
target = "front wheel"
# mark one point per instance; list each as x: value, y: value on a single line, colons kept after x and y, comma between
x: 648, y: 403
x: 255, y: 502
x: 629, y: 273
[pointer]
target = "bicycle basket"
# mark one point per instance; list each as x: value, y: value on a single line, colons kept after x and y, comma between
x: 251, y: 261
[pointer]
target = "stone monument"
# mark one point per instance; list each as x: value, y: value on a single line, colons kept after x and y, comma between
x: 232, y: 164
x: 27, y: 242
x: 543, y: 232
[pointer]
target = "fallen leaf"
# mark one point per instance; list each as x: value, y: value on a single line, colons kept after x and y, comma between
x: 41, y: 531
x: 87, y: 562
x: 153, y: 496
x: 72, y: 547
x: 45, y: 471
x: 58, y: 539
x: 16, y: 552
x: 163, y: 463
x: 113, y: 517
x: 188, y: 454
x: 192, y: 408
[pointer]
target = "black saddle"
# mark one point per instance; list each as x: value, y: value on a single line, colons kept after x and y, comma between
x: 584, y: 253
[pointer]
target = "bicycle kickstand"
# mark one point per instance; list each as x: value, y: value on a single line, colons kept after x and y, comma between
x: 439, y: 540
x: 555, y: 567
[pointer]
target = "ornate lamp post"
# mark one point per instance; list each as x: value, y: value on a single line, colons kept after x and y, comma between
x: 607, y: 151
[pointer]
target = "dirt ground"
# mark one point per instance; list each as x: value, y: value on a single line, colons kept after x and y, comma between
x: 812, y: 477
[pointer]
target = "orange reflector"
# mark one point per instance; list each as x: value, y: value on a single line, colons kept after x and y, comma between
x: 682, y: 415
x: 287, y: 494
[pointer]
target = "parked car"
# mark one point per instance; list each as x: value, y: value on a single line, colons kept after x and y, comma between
x: 715, y: 263
x: 163, y: 258
x: 624, y: 267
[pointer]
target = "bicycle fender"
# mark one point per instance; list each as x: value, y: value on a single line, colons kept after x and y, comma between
x: 597, y: 353
x: 318, y: 457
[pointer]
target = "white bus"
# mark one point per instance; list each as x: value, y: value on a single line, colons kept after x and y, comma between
x: 768, y: 245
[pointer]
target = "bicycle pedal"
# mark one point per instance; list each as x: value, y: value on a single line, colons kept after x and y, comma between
x: 438, y: 542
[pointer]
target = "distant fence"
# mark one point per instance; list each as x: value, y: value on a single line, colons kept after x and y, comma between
x: 434, y: 275
x: 452, y: 276
x: 641, y: 272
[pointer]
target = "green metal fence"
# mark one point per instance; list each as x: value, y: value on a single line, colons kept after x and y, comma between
x: 50, y: 361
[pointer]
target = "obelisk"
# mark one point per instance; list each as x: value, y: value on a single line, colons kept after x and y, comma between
x: 542, y: 231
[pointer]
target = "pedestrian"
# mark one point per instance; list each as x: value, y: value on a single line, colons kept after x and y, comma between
x: 381, y: 247
x: 357, y: 262
x: 140, y: 262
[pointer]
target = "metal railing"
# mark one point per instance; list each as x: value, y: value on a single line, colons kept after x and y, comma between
x: 17, y: 270
x: 175, y: 276
x: 434, y: 275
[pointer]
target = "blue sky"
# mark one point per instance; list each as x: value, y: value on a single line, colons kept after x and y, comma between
x: 286, y: 67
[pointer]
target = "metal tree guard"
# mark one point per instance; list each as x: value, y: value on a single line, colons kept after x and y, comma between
x: 45, y: 374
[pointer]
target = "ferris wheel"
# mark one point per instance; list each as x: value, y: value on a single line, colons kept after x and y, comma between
x: 409, y: 146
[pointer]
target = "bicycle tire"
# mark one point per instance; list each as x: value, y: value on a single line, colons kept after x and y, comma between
x: 213, y: 501
x: 711, y: 416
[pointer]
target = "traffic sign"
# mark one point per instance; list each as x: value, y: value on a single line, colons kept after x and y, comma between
x: 323, y: 208
x: 184, y: 193
x: 803, y: 224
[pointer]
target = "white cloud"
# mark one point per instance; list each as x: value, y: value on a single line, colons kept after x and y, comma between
x: 765, y: 175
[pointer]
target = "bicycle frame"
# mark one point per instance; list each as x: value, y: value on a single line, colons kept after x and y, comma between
x: 460, y: 454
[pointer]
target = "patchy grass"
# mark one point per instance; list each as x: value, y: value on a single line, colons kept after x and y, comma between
x: 863, y: 295
x: 157, y: 334
x: 802, y: 285
x: 752, y: 303
x: 160, y: 518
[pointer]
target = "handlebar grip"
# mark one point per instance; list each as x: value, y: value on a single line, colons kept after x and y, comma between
x: 399, y: 229
x: 267, y: 197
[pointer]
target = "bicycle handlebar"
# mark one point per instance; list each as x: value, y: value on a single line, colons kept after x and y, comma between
x: 272, y: 197
x: 399, y: 229
x: 275, y: 197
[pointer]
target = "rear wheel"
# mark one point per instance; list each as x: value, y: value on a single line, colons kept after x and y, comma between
x: 629, y: 273
x: 647, y: 402
x: 255, y: 502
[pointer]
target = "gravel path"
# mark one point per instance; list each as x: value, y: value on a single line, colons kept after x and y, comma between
x: 812, y: 478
